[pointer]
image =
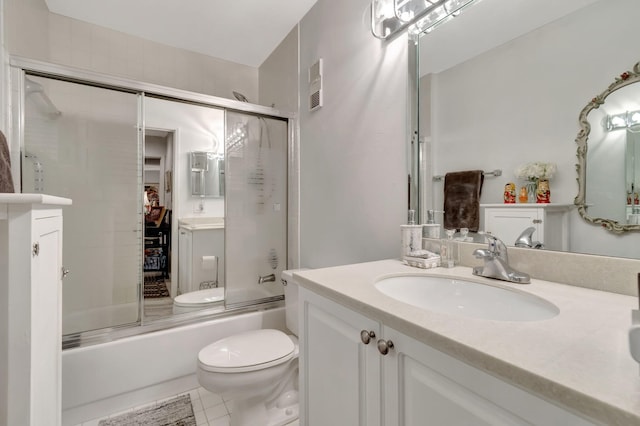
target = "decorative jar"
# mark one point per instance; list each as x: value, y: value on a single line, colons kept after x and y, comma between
x: 543, y: 193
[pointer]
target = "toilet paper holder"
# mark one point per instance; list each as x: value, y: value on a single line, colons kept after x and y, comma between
x: 209, y: 263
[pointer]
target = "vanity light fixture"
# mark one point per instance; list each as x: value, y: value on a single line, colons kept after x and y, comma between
x: 622, y: 120
x: 236, y: 138
x: 390, y: 17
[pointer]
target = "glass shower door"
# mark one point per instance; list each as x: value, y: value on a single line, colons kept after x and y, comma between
x: 256, y: 207
x: 82, y: 142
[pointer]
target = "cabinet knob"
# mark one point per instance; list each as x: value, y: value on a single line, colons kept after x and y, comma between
x: 366, y: 336
x: 384, y: 346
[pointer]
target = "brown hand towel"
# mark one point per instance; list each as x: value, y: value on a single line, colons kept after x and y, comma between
x: 6, y: 181
x: 462, y: 199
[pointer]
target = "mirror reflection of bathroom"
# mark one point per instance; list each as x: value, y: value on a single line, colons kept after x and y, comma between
x: 193, y: 272
x: 158, y: 209
x: 632, y: 172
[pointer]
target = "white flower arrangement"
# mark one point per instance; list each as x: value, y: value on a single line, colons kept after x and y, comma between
x: 536, y: 171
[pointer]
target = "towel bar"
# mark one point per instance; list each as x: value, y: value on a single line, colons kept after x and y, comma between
x: 496, y: 172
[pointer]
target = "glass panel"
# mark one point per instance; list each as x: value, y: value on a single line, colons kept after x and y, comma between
x: 193, y: 230
x: 256, y: 210
x: 81, y: 142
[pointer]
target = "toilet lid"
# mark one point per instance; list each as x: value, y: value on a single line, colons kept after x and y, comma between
x: 248, y: 351
x: 200, y: 297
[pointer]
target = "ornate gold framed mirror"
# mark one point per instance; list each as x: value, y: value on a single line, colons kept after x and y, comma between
x: 613, y: 205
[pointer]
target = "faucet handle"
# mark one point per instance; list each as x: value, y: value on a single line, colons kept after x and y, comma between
x: 496, y: 246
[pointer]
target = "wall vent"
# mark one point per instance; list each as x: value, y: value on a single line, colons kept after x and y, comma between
x: 315, y: 86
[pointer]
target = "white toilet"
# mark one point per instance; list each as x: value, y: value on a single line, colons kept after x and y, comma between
x: 200, y: 299
x: 257, y: 369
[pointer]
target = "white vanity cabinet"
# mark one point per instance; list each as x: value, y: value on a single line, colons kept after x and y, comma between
x: 508, y: 221
x: 344, y: 381
x: 198, y: 239
x: 31, y: 275
x: 339, y: 375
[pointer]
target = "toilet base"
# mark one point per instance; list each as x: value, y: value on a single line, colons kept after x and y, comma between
x: 280, y: 412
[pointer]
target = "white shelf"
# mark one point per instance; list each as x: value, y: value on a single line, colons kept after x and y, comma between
x: 531, y: 205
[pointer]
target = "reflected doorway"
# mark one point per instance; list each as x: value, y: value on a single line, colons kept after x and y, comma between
x: 158, y: 215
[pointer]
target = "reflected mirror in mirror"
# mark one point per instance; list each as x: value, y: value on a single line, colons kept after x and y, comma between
x: 514, y: 97
x: 207, y: 174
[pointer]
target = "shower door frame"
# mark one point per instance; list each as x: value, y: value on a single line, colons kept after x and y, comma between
x: 20, y: 67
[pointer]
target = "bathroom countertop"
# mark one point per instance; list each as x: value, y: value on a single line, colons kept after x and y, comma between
x: 580, y: 358
x: 201, y: 223
x: 20, y: 198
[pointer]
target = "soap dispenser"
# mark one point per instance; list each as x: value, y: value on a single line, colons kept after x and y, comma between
x: 431, y: 228
x: 411, y: 235
x: 448, y: 250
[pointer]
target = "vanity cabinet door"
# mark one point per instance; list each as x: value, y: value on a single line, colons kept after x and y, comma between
x: 424, y: 387
x: 339, y: 374
x: 508, y: 223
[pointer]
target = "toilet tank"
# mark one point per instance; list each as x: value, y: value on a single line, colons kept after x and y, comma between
x: 291, y: 299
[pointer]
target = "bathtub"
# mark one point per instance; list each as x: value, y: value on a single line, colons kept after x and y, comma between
x: 109, y: 377
x: 100, y: 317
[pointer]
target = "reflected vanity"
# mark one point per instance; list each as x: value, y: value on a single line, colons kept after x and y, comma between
x: 201, y: 278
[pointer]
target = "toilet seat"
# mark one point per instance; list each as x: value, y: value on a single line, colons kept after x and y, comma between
x: 248, y: 351
x: 205, y: 297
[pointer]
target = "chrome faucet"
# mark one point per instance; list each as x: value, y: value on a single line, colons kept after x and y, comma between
x: 526, y: 239
x: 496, y: 263
x: 266, y: 278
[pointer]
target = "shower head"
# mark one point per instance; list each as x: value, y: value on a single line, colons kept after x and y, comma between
x: 31, y: 86
x: 239, y: 96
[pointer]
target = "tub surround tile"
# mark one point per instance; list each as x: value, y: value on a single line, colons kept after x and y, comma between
x: 579, y: 359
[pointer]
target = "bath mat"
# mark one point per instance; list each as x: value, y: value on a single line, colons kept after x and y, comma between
x: 155, y: 286
x: 173, y: 412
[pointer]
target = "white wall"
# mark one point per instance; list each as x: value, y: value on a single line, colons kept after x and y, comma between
x: 278, y: 75
x: 520, y: 102
x: 33, y: 32
x: 195, y: 128
x: 353, y: 184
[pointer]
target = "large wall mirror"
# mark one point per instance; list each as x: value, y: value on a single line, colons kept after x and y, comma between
x: 504, y: 84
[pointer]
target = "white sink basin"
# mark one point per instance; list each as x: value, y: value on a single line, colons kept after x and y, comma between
x: 466, y: 298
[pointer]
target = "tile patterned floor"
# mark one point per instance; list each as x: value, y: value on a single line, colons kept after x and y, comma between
x: 210, y: 409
